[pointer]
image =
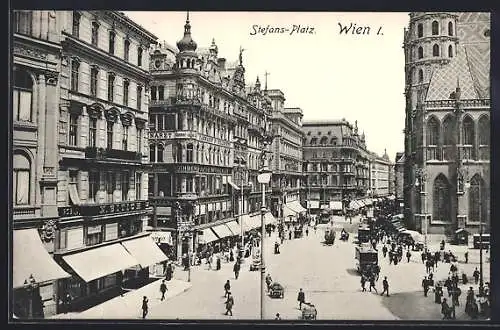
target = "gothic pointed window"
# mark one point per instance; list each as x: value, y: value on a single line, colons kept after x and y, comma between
x: 420, y: 76
x: 450, y: 51
x: 484, y: 137
x: 152, y: 153
x: 420, y: 52
x: 435, y: 28
x: 450, y: 29
x: 468, y: 137
x: 433, y: 138
x: 159, y: 157
x: 478, y: 205
x: 435, y: 50
x: 448, y: 138
x: 441, y: 199
x: 420, y: 30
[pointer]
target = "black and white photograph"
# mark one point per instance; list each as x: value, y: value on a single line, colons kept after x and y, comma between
x: 230, y: 165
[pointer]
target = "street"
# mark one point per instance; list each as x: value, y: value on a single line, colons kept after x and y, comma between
x: 326, y: 274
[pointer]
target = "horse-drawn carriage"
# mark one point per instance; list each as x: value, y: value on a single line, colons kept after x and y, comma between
x: 309, y: 312
x: 276, y: 290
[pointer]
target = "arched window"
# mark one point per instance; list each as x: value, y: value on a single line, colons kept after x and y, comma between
x: 420, y: 76
x: 435, y: 50
x: 478, y: 205
x: 314, y: 141
x: 484, y: 131
x: 450, y: 51
x: 159, y: 157
x: 468, y: 138
x: 420, y: 30
x: 433, y: 132
x: 450, y: 28
x: 334, y: 141
x: 179, y: 153
x: 420, y: 52
x: 21, y: 179
x: 75, y: 72
x: 152, y: 153
x: 448, y: 138
x: 468, y: 131
x: 435, y: 28
x: 324, y: 140
x: 22, y: 97
x: 189, y: 153
x: 441, y: 199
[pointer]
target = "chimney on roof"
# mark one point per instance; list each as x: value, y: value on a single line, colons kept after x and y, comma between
x: 221, y: 62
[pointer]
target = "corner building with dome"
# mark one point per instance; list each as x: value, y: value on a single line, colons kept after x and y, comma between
x: 447, y: 122
x: 206, y: 130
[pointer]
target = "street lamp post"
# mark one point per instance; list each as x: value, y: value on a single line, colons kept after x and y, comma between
x: 30, y: 286
x: 263, y: 179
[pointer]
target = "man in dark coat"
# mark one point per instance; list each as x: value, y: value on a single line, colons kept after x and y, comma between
x: 163, y: 289
x: 372, y: 283
x: 445, y: 309
x: 384, y: 250
x: 301, y: 298
x: 385, y: 284
x: 425, y: 285
x: 363, y: 282
x: 476, y: 275
x: 227, y: 288
x: 229, y: 304
x: 236, y: 269
x: 144, y: 307
x: 408, y: 255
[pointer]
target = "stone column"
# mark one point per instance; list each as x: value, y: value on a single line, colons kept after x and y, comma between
x: 183, y: 183
x: 44, y: 27
x: 117, y: 134
x: 36, y: 23
x: 195, y: 123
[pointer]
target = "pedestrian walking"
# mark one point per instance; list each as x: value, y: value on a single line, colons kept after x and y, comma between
x: 144, y: 307
x: 236, y: 269
x: 476, y: 275
x: 278, y: 317
x: 301, y: 298
x: 408, y: 255
x: 466, y: 255
x: 227, y: 288
x: 289, y: 235
x: 372, y: 284
x: 229, y: 304
x: 385, y: 284
x: 231, y: 256
x: 218, y: 263
x: 384, y: 250
x: 445, y: 310
x: 363, y: 283
x: 163, y: 289
x: 425, y: 285
x: 307, y: 231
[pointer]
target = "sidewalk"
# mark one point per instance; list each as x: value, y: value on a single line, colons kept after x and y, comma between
x: 129, y: 305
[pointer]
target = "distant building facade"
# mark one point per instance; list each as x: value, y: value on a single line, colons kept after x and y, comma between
x: 380, y: 175
x: 336, y: 164
x: 399, y: 162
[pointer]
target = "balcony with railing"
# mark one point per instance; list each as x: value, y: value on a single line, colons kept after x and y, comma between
x: 102, y: 154
x: 468, y: 152
x: 23, y: 212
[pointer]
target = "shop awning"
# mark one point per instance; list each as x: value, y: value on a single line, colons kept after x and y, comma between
x: 101, y: 261
x: 295, y: 206
x: 255, y: 221
x: 232, y: 184
x: 234, y: 227
x: 288, y: 213
x: 222, y: 231
x: 145, y: 251
x: 247, y: 222
x: 269, y: 218
x: 208, y: 236
x: 31, y: 258
x: 336, y: 205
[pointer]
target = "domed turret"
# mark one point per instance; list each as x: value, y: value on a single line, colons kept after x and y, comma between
x: 187, y: 43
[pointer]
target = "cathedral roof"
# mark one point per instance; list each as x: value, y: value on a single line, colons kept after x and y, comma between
x: 444, y: 80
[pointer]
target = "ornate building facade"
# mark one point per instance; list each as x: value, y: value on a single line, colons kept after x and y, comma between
x: 205, y: 138
x: 399, y: 163
x: 447, y: 129
x: 286, y: 156
x: 336, y: 164
x: 88, y: 117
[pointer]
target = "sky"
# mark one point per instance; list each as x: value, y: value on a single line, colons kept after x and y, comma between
x: 329, y: 74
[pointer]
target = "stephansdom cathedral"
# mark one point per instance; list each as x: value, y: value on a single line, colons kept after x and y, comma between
x: 447, y: 128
